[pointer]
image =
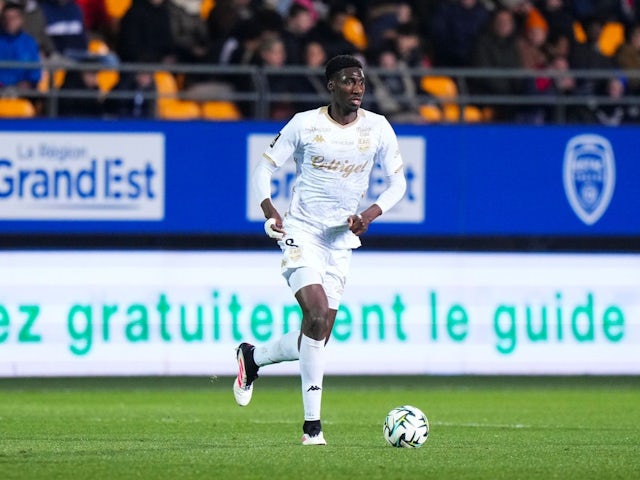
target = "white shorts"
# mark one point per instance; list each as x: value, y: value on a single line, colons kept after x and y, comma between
x: 314, y: 261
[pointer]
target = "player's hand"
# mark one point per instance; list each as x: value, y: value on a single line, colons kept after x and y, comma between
x: 358, y: 224
x: 273, y: 229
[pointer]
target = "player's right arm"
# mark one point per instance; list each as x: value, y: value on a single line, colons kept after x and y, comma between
x: 279, y: 151
x: 261, y: 186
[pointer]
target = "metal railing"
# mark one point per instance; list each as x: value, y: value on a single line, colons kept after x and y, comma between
x: 259, y: 96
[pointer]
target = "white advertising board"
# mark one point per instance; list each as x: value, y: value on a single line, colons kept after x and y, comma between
x: 82, y: 176
x: 183, y: 313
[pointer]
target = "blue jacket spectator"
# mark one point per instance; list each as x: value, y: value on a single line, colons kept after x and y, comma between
x: 65, y: 26
x: 17, y: 46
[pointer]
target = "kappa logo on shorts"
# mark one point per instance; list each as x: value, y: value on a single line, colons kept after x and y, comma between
x: 589, y: 176
x: 294, y: 252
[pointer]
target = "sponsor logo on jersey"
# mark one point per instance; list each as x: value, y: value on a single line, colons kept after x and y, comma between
x: 345, y: 167
x: 589, y: 176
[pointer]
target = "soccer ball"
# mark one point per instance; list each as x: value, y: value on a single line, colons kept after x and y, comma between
x: 406, y: 427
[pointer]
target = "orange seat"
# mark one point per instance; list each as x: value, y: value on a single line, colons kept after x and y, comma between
x: 107, y: 79
x: 45, y: 80
x: 117, y: 8
x: 446, y: 90
x: 170, y: 107
x: 443, y: 88
x: 205, y: 8
x: 611, y: 37
x: 431, y: 113
x: 173, y: 109
x: 470, y: 113
x: 16, y: 108
x: 579, y: 33
x: 353, y: 31
x: 220, y: 110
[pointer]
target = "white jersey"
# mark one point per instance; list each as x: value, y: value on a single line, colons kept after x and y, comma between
x: 333, y: 167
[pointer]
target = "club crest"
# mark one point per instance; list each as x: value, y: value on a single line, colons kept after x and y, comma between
x: 589, y: 176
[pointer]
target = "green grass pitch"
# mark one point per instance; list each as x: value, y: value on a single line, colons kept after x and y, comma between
x: 190, y: 428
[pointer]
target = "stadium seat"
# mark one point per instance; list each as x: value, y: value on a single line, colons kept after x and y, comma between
x: 205, y: 8
x: 431, y: 113
x: 443, y: 88
x: 578, y: 32
x: 169, y: 106
x: 16, y: 108
x: 107, y: 79
x: 220, y: 110
x: 353, y: 31
x: 117, y: 8
x: 611, y: 37
x: 45, y: 82
x: 446, y: 90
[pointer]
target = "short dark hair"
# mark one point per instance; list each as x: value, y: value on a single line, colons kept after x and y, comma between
x: 338, y: 63
x: 13, y: 5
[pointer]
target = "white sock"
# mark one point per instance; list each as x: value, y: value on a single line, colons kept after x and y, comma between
x: 284, y: 349
x: 311, y: 375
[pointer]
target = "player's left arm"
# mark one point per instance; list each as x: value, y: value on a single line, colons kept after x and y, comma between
x: 397, y: 185
x: 391, y: 161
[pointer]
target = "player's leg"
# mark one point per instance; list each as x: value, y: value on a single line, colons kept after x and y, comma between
x: 315, y: 322
x: 319, y: 305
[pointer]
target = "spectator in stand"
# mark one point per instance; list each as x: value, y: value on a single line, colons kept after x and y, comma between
x: 315, y: 57
x: 587, y: 56
x: 145, y: 33
x: 496, y: 48
x: 191, y: 38
x: 560, y: 84
x: 628, y: 56
x: 558, y: 17
x: 410, y: 47
x: 394, y: 89
x: 454, y: 29
x: 300, y: 22
x: 384, y: 17
x: 329, y: 32
x: 17, y: 46
x: 618, y: 112
x: 272, y: 54
x: 97, y: 21
x: 65, y: 26
x: 35, y: 24
x: 607, y: 10
x: 531, y: 46
x: 241, y: 47
x: 189, y: 32
x: 91, y: 102
x: 532, y: 40
x: 558, y: 45
x: 142, y: 104
x: 315, y: 7
x: 224, y: 19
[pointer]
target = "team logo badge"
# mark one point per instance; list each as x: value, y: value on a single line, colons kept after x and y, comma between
x: 589, y: 176
x: 363, y: 144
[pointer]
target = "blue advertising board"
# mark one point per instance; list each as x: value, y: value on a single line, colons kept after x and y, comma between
x: 182, y: 178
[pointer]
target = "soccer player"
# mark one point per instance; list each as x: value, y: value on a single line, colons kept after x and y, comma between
x: 334, y: 148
